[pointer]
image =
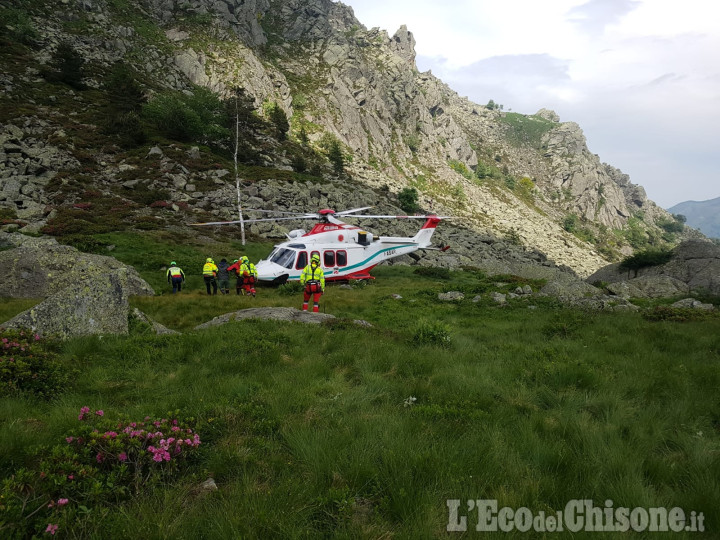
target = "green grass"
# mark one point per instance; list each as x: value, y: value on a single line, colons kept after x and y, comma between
x: 526, y: 130
x: 307, y: 434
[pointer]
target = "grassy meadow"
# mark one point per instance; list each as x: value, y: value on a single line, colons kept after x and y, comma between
x: 346, y: 431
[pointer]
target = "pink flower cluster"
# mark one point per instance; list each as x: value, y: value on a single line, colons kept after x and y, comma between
x: 162, y: 452
x: 161, y: 448
x: 86, y: 410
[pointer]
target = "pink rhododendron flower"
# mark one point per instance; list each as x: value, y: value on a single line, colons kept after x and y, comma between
x: 100, y: 458
x: 122, y: 457
x: 99, y: 412
x: 69, y: 439
x: 52, y: 529
x: 62, y: 502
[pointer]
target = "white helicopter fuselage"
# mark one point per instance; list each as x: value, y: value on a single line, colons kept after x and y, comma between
x: 346, y: 252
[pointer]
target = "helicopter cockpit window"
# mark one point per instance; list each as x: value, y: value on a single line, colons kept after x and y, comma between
x: 302, y: 260
x: 284, y: 257
x: 329, y: 259
x: 297, y: 246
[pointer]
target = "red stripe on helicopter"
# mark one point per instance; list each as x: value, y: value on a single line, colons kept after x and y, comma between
x: 431, y: 223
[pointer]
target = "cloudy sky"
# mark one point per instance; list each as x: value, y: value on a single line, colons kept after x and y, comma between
x: 641, y: 77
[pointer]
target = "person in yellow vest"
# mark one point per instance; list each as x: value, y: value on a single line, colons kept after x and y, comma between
x: 313, y: 278
x: 175, y: 277
x: 249, y: 275
x: 209, y: 273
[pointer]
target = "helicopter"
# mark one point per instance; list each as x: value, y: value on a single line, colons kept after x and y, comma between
x: 346, y: 251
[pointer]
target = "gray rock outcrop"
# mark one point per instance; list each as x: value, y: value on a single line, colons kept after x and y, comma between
x: 268, y: 313
x: 693, y: 304
x: 91, y: 305
x: 40, y: 267
x: 695, y: 263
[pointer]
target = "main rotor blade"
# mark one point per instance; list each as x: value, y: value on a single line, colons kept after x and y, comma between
x: 399, y: 217
x: 346, y: 212
x: 251, y: 221
x: 300, y: 214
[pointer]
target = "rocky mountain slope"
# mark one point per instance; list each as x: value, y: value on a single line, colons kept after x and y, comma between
x: 523, y: 181
x: 702, y: 215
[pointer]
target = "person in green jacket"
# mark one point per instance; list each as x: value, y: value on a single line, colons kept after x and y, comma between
x: 175, y: 277
x: 249, y: 275
x: 313, y: 278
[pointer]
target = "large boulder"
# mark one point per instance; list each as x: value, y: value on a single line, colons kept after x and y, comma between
x: 40, y: 267
x: 696, y: 263
x: 91, y: 305
x: 659, y: 286
x: 570, y: 288
x: 268, y: 313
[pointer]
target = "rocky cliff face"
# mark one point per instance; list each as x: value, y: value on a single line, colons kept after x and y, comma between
x: 331, y: 75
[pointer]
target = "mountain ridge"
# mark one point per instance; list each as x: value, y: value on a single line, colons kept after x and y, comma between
x: 702, y: 215
x: 530, y: 177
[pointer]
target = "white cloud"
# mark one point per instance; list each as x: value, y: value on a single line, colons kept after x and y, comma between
x: 641, y: 77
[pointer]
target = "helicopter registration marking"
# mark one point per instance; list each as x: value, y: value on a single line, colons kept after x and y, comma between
x: 390, y: 252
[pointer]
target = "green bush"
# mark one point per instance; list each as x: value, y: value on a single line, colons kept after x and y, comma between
x: 676, y: 225
x: 644, y: 259
x: 526, y: 187
x: 572, y: 224
x: 460, y: 168
x: 413, y: 142
x: 101, y: 462
x: 200, y: 117
x: 28, y: 365
x: 432, y: 333
x: 408, y: 199
x: 335, y: 156
x: 291, y: 288
x: 279, y: 120
x: 433, y: 272
x: 18, y: 26
x: 129, y: 128
x: 66, y: 67
x: 86, y: 243
x: 673, y: 314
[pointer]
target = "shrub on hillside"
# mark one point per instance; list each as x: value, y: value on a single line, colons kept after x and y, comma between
x: 66, y: 67
x: 279, y: 120
x: 199, y: 117
x: 18, y: 26
x: 336, y: 157
x: 408, y: 199
x: 101, y: 462
x: 86, y: 243
x: 645, y: 259
x: 677, y: 314
x: 433, y: 272
x: 29, y: 365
